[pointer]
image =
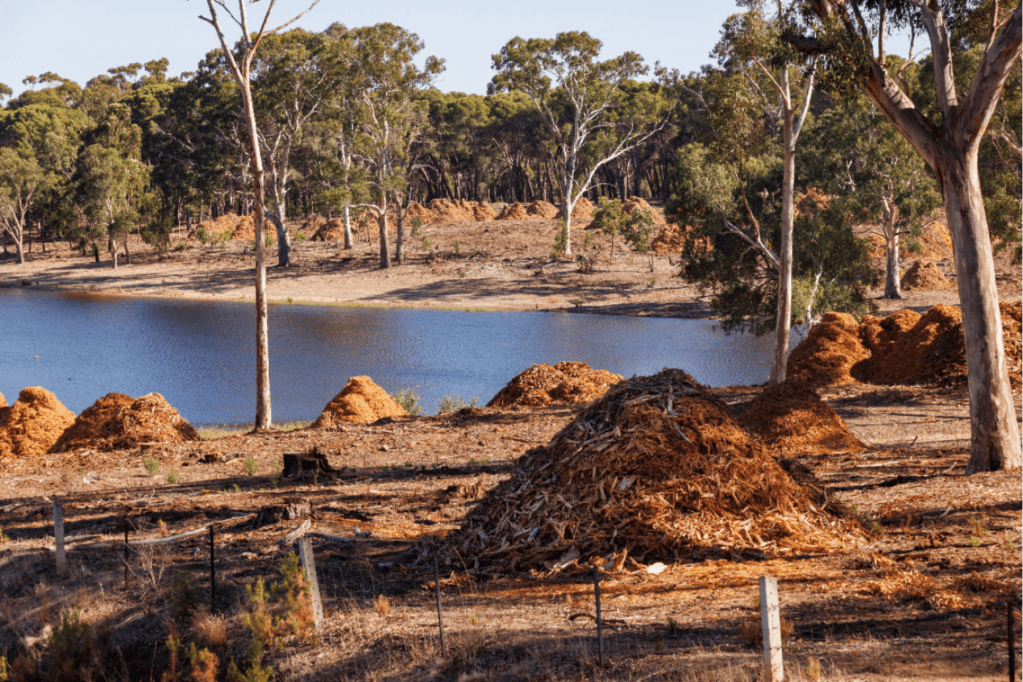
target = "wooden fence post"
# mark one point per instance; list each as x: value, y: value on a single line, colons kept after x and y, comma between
x: 440, y: 615
x: 305, y: 552
x: 58, y: 538
x: 770, y: 618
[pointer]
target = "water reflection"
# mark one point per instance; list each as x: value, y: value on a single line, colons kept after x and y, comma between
x: 200, y: 355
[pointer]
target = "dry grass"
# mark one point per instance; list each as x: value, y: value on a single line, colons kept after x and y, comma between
x: 210, y: 630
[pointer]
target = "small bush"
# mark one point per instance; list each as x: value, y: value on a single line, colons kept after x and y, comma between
x: 181, y: 247
x: 151, y: 465
x: 300, y: 237
x: 427, y: 244
x: 173, y: 477
x: 382, y: 605
x: 251, y: 466
x: 454, y: 402
x: 408, y: 400
x: 203, y: 235
x: 561, y: 242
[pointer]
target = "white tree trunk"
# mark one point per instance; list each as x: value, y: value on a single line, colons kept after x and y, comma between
x: 346, y: 214
x: 783, y: 323
x: 893, y: 277
x: 995, y: 441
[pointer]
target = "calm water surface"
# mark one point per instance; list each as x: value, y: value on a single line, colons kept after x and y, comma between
x: 201, y: 355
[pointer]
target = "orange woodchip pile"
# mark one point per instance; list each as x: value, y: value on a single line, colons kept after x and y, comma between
x: 30, y: 426
x: 566, y: 383
x: 903, y: 348
x: 117, y: 421
x: 790, y: 417
x: 361, y: 400
x: 656, y: 469
x: 925, y: 275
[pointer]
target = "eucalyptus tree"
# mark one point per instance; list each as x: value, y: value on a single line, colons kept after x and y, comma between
x: 241, y: 69
x: 854, y: 151
x: 111, y: 179
x: 949, y: 140
x: 752, y: 42
x: 390, y: 119
x: 22, y: 180
x: 574, y: 94
x: 291, y: 79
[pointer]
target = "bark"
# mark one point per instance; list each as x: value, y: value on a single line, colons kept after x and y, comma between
x: 399, y: 242
x: 783, y: 322
x: 995, y: 439
x: 283, y: 237
x: 20, y: 251
x: 385, y: 255
x: 346, y: 214
x: 893, y: 278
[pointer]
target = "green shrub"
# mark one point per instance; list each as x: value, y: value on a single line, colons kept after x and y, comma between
x: 181, y: 247
x: 408, y: 400
x: 251, y: 466
x: 151, y: 465
x: 203, y: 235
x: 454, y: 402
x: 300, y: 236
x: 173, y: 477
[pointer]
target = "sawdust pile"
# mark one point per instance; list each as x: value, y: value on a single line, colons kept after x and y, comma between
x: 673, y: 240
x: 446, y: 211
x: 903, y: 348
x: 935, y: 239
x: 656, y: 469
x: 117, y: 421
x: 827, y: 354
x: 332, y: 230
x: 31, y: 426
x: 633, y: 203
x: 543, y: 209
x: 245, y: 229
x: 514, y: 211
x: 3, y: 401
x: 582, y: 211
x: 566, y: 383
x: 482, y: 211
x: 925, y: 275
x: 361, y: 400
x: 417, y: 210
x: 791, y: 417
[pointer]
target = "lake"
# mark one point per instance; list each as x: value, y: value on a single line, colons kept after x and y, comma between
x: 201, y: 355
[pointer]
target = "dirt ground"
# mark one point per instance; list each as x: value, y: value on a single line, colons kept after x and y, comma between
x: 497, y: 264
x: 922, y: 598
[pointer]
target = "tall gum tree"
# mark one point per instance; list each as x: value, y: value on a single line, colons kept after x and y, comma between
x: 949, y: 141
x: 573, y: 92
x: 242, y: 71
x: 752, y: 40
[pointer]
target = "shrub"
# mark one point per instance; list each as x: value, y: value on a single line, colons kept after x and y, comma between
x: 203, y: 235
x: 173, y: 477
x: 454, y: 402
x: 300, y: 236
x: 151, y: 465
x: 408, y: 400
x: 251, y: 466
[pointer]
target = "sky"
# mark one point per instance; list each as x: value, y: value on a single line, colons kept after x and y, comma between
x: 84, y: 38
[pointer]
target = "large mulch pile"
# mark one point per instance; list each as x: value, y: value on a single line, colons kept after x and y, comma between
x: 543, y: 209
x: 361, y: 400
x: 245, y: 229
x: 514, y: 211
x: 582, y: 211
x: 656, y: 469
x: 446, y: 211
x: 925, y: 275
x: 3, y: 401
x: 633, y: 203
x: 117, y: 421
x: 902, y: 348
x: 332, y: 230
x: 566, y: 383
x: 790, y: 417
x: 417, y: 210
x: 31, y: 426
x: 935, y: 239
x: 827, y: 354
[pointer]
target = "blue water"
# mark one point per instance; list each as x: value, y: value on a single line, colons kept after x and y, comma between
x: 201, y: 355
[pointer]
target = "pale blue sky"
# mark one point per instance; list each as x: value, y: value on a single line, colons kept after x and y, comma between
x: 81, y: 39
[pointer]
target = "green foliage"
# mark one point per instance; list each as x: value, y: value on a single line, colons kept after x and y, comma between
x: 282, y: 609
x: 181, y: 247
x: 203, y: 235
x: 173, y: 477
x: 300, y: 236
x: 151, y: 465
x: 408, y: 399
x: 184, y: 597
x: 251, y: 466
x: 454, y: 402
x: 72, y: 652
x: 561, y: 241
